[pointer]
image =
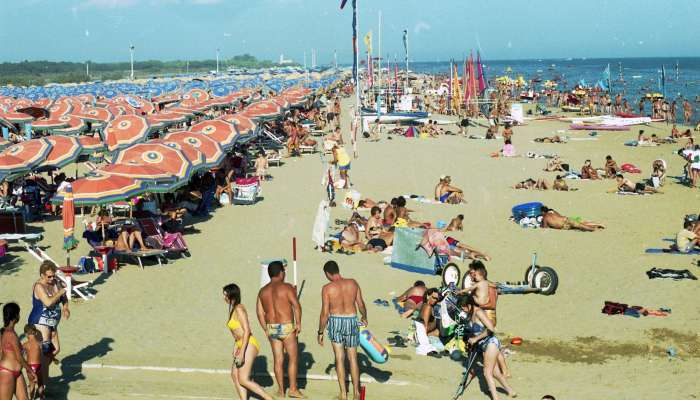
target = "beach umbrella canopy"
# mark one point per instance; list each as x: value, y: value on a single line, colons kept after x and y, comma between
x: 198, y: 95
x: 64, y: 150
x: 68, y: 211
x: 167, y: 118
x: 126, y: 130
x: 74, y: 125
x: 265, y: 109
x: 49, y: 124
x: 211, y: 150
x: 244, y: 125
x: 16, y: 117
x: 94, y: 114
x: 31, y: 153
x: 134, y: 170
x: 11, y: 165
x: 4, y: 142
x: 281, y: 101
x: 90, y: 144
x: 221, y: 131
x: 102, y: 189
x: 165, y: 158
x: 194, y: 156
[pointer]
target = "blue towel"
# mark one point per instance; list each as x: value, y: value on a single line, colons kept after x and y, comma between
x: 667, y: 251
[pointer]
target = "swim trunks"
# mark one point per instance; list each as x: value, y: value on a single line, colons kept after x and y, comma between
x: 444, y: 197
x: 344, y: 330
x: 377, y: 242
x: 280, y: 331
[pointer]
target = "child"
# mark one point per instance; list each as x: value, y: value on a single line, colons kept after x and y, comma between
x: 261, y: 166
x: 32, y: 351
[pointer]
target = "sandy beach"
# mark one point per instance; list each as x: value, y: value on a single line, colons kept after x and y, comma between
x: 173, y: 317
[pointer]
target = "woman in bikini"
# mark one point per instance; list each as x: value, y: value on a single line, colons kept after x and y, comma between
x: 246, y: 347
x: 11, y: 361
x: 412, y: 298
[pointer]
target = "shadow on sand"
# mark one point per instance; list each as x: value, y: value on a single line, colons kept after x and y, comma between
x: 72, y: 368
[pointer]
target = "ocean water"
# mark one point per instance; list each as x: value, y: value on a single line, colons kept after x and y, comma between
x: 639, y: 75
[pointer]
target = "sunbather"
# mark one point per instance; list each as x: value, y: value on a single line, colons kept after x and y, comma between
x: 611, y: 168
x: 554, y: 220
x: 560, y: 185
x: 550, y: 139
x: 445, y: 193
x: 412, y: 298
x: 530, y: 183
x: 554, y: 165
x: 430, y: 298
x: 588, y: 172
x: 128, y: 238
x: 624, y: 185
x: 686, y: 239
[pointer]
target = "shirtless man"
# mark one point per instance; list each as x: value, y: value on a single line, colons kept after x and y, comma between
x: 390, y: 213
x: 279, y: 314
x: 507, y: 133
x: 611, y: 168
x: 554, y: 220
x: 445, y: 193
x: 625, y: 185
x: 341, y: 301
x: 485, y: 295
x: 588, y: 172
x: 687, y: 111
x: 561, y: 185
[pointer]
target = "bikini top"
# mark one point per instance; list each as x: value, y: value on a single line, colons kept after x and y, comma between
x: 233, y: 324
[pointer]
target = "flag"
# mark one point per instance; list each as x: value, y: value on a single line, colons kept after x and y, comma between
x: 663, y: 80
x: 342, y: 4
x: 480, y: 71
x: 368, y: 42
x: 405, y: 42
x: 354, y: 38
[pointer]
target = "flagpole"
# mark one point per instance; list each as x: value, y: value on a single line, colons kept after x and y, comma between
x: 357, y: 56
x: 406, y: 44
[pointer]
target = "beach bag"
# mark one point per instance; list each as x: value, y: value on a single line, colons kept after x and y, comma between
x: 86, y: 265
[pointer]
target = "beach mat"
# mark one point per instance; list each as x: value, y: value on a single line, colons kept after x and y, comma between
x: 407, y: 255
x: 668, y: 251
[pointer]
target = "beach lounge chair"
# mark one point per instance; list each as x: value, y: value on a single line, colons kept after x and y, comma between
x: 246, y: 191
x: 156, y: 238
x: 141, y: 254
x: 307, y: 149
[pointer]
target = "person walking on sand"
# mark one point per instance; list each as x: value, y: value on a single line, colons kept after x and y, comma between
x: 341, y: 300
x: 246, y: 347
x: 279, y: 314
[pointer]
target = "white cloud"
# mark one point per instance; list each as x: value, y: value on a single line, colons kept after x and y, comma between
x: 420, y: 27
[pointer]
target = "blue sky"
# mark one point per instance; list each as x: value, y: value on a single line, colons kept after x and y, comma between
x: 101, y: 30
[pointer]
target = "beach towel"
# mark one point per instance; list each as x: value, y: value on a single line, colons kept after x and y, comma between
x: 630, y: 168
x: 323, y: 216
x: 434, y: 242
x: 424, y: 345
x: 675, y: 274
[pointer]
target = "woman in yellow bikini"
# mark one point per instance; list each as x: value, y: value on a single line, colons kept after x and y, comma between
x: 247, y: 347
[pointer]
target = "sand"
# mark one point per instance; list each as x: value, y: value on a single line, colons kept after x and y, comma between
x: 174, y: 316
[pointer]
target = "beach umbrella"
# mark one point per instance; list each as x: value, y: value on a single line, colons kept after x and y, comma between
x: 211, y: 150
x: 134, y: 170
x: 90, y: 144
x: 35, y: 112
x: 187, y: 112
x: 167, y: 118
x: 263, y: 110
x: 64, y: 150
x: 244, y: 125
x: 74, y: 125
x: 48, y: 124
x: 4, y: 142
x: 11, y: 165
x: 197, y: 95
x: 31, y: 152
x: 165, y: 158
x: 281, y: 101
x: 194, y: 156
x: 126, y: 130
x: 94, y: 114
x: 68, y: 212
x: 86, y: 98
x: 16, y: 117
x: 102, y: 189
x: 223, y: 132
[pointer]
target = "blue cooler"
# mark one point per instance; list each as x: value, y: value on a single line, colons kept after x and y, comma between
x: 527, y: 210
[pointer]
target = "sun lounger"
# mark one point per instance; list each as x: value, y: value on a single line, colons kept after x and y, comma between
x: 307, y: 149
x: 21, y: 237
x: 139, y: 255
x: 157, y: 238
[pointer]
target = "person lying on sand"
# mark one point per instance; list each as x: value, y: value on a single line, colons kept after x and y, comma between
x: 458, y: 248
x: 624, y: 185
x: 455, y: 224
x: 550, y: 139
x: 445, y: 193
x: 554, y: 165
x: 554, y: 220
x: 531, y: 184
x: 412, y: 298
x: 588, y: 172
x: 611, y: 168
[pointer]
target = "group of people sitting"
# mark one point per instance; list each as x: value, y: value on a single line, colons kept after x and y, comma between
x: 559, y: 184
x: 476, y: 305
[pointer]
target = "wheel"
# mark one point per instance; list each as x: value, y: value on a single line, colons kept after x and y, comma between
x: 528, y: 276
x: 451, y: 274
x: 467, y: 281
x: 547, y: 280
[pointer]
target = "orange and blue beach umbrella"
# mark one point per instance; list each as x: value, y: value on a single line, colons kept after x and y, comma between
x: 64, y: 150
x: 102, y: 189
x: 68, y: 211
x: 221, y: 131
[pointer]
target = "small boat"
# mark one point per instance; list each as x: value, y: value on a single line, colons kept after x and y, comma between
x: 593, y: 127
x: 394, y: 116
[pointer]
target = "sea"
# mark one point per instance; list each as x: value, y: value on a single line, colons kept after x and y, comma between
x: 633, y: 77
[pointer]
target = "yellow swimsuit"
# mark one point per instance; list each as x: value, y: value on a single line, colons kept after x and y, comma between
x: 233, y: 324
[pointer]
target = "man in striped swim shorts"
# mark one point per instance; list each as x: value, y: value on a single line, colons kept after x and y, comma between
x: 342, y: 299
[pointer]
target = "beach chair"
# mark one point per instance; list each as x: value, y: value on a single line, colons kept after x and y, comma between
x: 307, y: 149
x: 274, y: 158
x: 64, y: 274
x: 246, y: 191
x: 141, y: 254
x: 155, y: 237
